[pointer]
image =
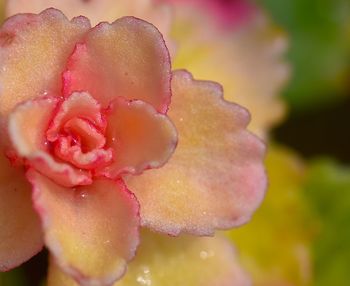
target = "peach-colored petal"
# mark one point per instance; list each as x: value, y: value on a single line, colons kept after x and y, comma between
x: 140, y: 137
x: 75, y: 155
x: 172, y: 261
x: 61, y: 173
x: 33, y: 53
x: 99, y: 10
x: 20, y: 232
x: 92, y: 231
x: 28, y: 124
x: 89, y: 136
x: 27, y: 127
x: 136, y: 64
x: 247, y: 60
x: 69, y: 152
x: 282, y: 255
x: 216, y: 178
x: 78, y: 104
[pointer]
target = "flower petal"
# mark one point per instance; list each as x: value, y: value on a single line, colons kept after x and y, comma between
x: 79, y: 104
x: 84, y: 160
x: 248, y: 60
x: 169, y: 261
x: 99, y: 10
x: 136, y: 64
x: 27, y: 127
x: 61, y: 173
x: 285, y: 219
x: 28, y: 123
x: 216, y: 178
x: 34, y: 51
x: 20, y: 232
x: 91, y: 230
x: 140, y: 137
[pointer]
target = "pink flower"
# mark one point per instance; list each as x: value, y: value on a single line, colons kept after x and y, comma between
x: 84, y: 111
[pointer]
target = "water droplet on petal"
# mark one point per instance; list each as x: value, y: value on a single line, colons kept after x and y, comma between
x: 145, y: 278
x: 83, y: 194
x: 203, y: 255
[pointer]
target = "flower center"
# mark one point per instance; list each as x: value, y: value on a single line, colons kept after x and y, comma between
x: 76, y: 134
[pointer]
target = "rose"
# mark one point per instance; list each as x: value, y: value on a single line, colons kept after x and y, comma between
x: 79, y: 137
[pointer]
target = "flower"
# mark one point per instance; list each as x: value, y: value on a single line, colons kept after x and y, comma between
x: 84, y: 111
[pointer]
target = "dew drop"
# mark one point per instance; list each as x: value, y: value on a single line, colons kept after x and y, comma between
x: 203, y: 255
x: 144, y: 278
x: 206, y: 254
x: 83, y: 194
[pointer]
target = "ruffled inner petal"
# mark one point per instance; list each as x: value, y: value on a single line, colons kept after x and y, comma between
x: 27, y: 128
x: 89, y: 136
x: 141, y: 138
x: 78, y: 105
x: 92, y: 231
x: 69, y: 152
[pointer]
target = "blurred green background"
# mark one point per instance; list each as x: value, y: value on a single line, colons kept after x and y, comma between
x: 319, y: 49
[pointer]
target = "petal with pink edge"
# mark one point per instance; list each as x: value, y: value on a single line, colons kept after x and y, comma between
x: 168, y: 261
x: 34, y: 52
x: 78, y: 104
x: 136, y: 64
x: 91, y: 230
x: 27, y: 128
x: 98, y: 11
x: 216, y: 177
x: 140, y: 137
x: 20, y: 232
